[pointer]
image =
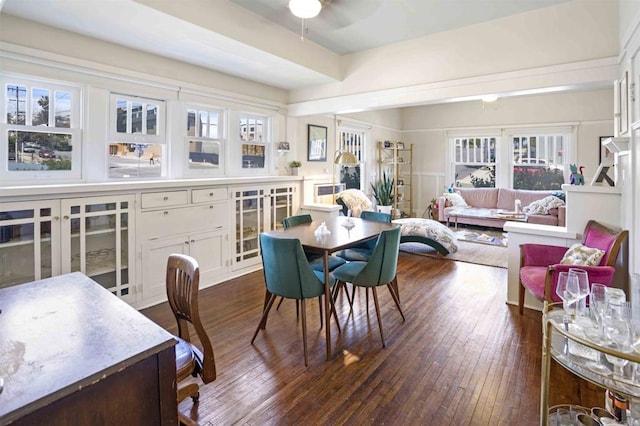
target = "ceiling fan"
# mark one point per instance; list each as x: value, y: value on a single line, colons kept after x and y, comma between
x: 334, y: 13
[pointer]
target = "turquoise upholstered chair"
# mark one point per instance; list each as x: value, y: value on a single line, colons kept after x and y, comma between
x: 379, y: 270
x: 315, y: 259
x: 363, y: 251
x: 287, y: 273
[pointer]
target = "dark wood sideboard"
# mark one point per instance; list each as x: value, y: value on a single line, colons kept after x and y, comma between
x: 71, y: 353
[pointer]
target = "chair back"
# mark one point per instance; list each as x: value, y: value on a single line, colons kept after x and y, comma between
x: 383, y: 263
x: 599, y: 236
x: 287, y: 272
x: 300, y: 219
x: 183, y: 283
x: 376, y: 216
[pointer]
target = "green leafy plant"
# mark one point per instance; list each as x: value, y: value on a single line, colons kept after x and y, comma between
x: 295, y: 163
x: 383, y: 190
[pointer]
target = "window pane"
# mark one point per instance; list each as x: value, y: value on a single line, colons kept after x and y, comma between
x: 252, y: 156
x: 204, y: 155
x: 16, y: 104
x: 152, y: 119
x: 202, y: 124
x: 191, y: 123
x: 33, y: 151
x: 213, y: 125
x: 121, y: 116
x: 259, y: 131
x: 63, y: 109
x: 40, y: 110
x: 243, y: 129
x: 136, y: 117
x: 129, y: 160
x: 475, y: 176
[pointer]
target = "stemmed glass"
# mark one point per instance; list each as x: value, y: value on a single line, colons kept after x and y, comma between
x: 597, y: 307
x: 617, y: 326
x: 583, y: 285
x: 568, y: 289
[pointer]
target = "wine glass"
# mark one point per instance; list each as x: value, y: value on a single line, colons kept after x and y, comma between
x: 597, y: 306
x: 583, y: 285
x: 617, y: 326
x: 568, y: 289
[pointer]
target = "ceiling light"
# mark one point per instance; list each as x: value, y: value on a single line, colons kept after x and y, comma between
x: 305, y: 9
x: 490, y: 98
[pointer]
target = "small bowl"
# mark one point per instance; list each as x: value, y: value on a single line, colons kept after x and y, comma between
x: 599, y: 413
x: 587, y: 420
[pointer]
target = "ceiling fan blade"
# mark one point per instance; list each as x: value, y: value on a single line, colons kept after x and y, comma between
x: 343, y: 13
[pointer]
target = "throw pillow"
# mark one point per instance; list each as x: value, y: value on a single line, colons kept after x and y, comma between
x: 544, y: 205
x: 560, y: 195
x: 582, y: 255
x: 455, y: 199
x: 355, y: 200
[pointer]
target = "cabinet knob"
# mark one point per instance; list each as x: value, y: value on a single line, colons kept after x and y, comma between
x: 56, y: 218
x: 166, y: 213
x: 165, y: 198
x: 65, y: 217
x: 210, y: 207
x: 193, y: 241
x: 186, y: 242
x: 211, y: 194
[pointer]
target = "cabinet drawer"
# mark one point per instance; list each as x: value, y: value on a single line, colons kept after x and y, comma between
x: 207, y: 195
x: 174, y: 221
x: 163, y: 199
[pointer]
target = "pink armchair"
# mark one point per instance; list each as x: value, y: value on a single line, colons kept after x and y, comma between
x: 539, y: 264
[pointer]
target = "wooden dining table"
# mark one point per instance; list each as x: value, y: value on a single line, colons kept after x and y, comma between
x: 340, y: 236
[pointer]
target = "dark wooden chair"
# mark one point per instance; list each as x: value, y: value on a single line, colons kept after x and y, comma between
x: 183, y: 281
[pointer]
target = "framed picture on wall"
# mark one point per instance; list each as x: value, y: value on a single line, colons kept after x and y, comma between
x: 317, y: 136
x: 623, y: 99
x: 605, y: 154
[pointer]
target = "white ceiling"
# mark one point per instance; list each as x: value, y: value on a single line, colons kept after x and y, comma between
x: 209, y: 33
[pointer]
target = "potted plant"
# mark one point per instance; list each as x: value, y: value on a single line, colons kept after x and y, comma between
x: 294, y: 166
x: 383, y: 192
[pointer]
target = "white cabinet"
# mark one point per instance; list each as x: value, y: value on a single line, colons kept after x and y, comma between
x: 29, y: 241
x: 258, y: 210
x: 97, y: 239
x: 198, y: 228
x: 210, y: 249
x: 41, y: 239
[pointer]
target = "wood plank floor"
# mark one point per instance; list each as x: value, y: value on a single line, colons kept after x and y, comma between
x: 463, y: 356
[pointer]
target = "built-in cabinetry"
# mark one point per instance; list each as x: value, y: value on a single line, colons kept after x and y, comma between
x: 396, y: 158
x: 192, y: 222
x: 121, y: 235
x: 258, y: 209
x: 92, y: 235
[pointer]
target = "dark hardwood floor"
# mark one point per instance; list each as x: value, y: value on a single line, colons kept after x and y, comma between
x: 463, y: 356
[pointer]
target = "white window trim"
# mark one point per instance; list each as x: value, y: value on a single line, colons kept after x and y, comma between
x: 235, y: 144
x: 222, y: 139
x: 115, y: 136
x: 75, y: 130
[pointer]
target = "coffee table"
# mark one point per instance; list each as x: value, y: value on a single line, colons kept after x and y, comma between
x: 481, y: 213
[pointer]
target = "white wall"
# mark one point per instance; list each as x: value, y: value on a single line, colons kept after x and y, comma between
x: 427, y: 126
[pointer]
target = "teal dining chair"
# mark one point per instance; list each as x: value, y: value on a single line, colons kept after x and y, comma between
x: 315, y: 260
x: 287, y: 274
x: 361, y: 253
x: 379, y: 270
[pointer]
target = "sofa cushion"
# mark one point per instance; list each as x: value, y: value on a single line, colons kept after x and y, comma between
x: 454, y: 199
x: 507, y: 197
x: 480, y: 197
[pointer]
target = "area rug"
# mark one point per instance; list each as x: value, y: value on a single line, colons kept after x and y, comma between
x: 481, y: 254
x: 494, y: 238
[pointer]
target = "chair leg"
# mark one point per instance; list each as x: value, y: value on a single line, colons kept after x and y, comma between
x: 320, y: 308
x: 304, y: 330
x: 263, y: 320
x: 189, y: 390
x: 395, y: 298
x: 334, y: 313
x: 279, y: 303
x: 375, y: 301
x: 394, y: 283
x: 521, y: 291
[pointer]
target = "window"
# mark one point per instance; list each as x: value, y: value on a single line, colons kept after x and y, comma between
x: 254, y: 136
x: 41, y: 130
x: 137, y: 143
x: 204, y: 139
x: 352, y: 141
x: 538, y: 161
x: 474, y: 160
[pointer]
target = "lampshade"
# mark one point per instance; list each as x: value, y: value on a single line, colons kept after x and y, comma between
x: 345, y: 158
x: 305, y: 9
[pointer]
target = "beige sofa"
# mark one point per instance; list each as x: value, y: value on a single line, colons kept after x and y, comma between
x: 503, y: 199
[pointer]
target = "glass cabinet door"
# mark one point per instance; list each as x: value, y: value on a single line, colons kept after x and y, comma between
x: 98, y: 239
x: 281, y: 205
x: 249, y: 223
x: 29, y: 233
